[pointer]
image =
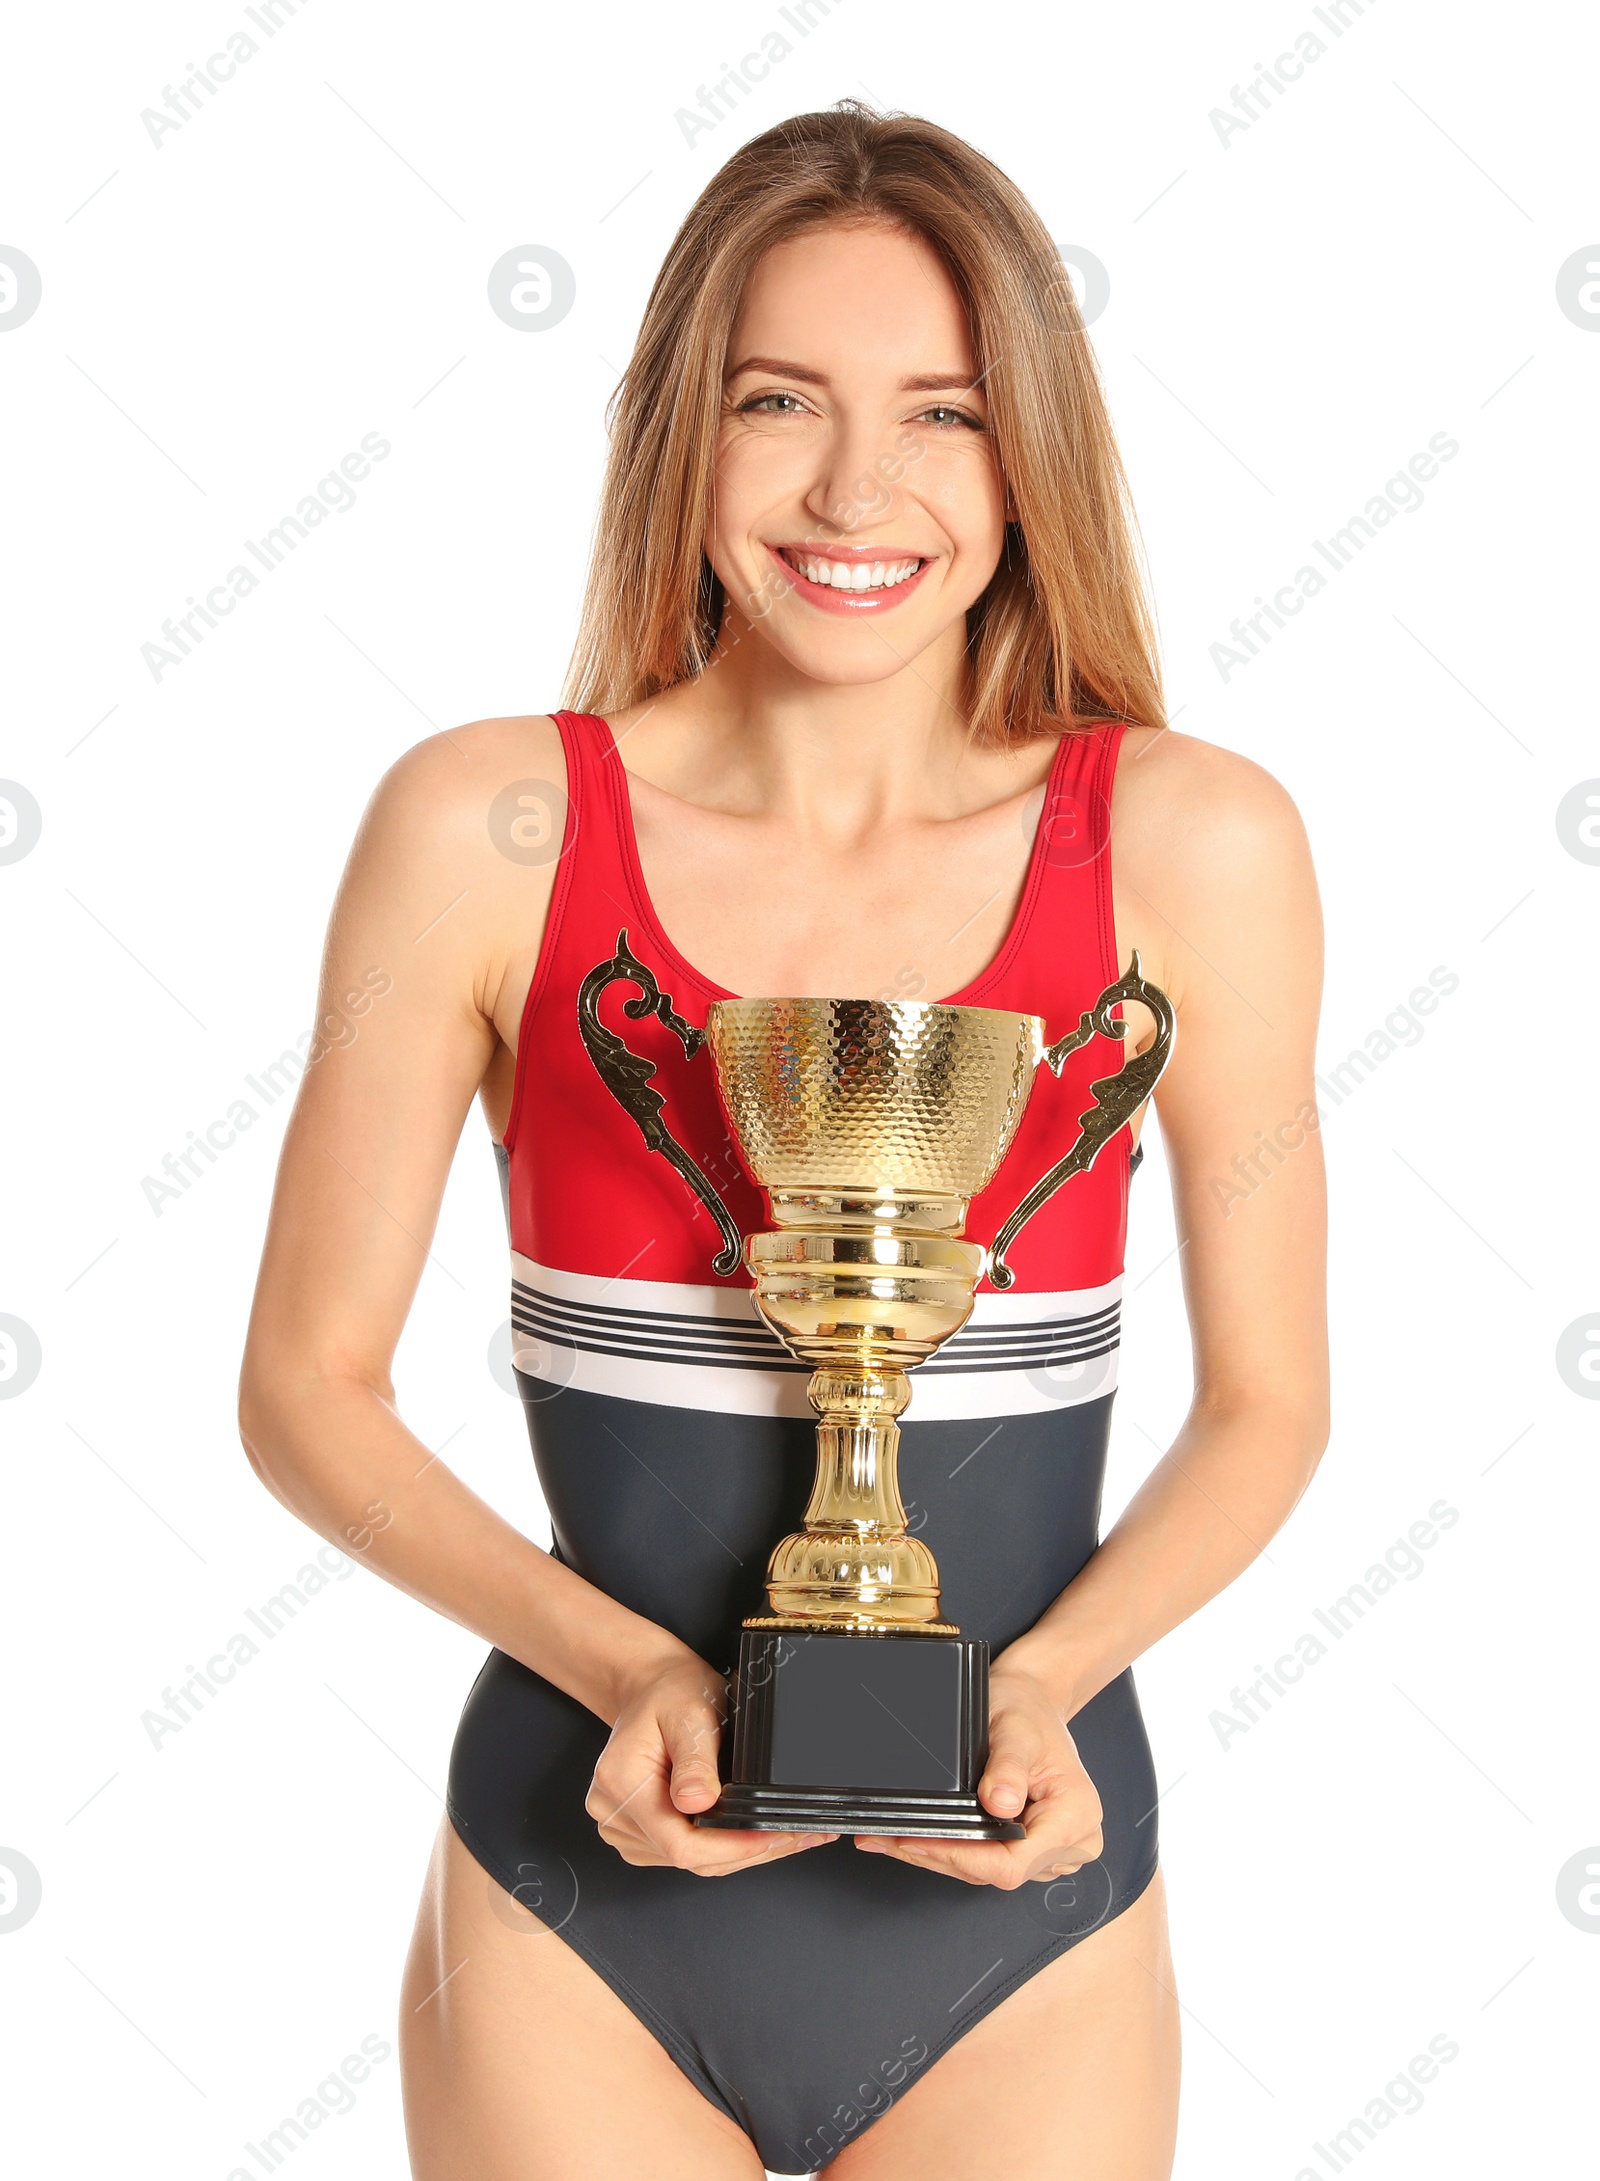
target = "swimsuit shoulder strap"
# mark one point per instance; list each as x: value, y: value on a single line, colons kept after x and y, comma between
x: 1061, y: 951
x: 591, y: 899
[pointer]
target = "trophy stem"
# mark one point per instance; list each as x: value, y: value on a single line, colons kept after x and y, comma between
x: 858, y: 1447
x: 855, y: 1565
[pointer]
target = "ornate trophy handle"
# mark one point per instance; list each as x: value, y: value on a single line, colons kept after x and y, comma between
x: 1116, y: 1097
x: 627, y: 1076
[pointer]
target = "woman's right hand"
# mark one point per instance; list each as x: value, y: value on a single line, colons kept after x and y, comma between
x: 660, y: 1766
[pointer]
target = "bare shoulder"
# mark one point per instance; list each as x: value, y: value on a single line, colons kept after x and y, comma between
x: 1211, y: 876
x: 445, y: 795
x: 458, y: 848
x: 1204, y: 820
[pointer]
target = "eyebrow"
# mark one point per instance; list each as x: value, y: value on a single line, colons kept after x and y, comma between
x: 925, y: 382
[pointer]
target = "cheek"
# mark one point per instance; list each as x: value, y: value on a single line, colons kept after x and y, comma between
x: 753, y: 475
x: 754, y: 469
x: 964, y: 493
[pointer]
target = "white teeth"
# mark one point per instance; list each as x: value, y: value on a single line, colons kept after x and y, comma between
x: 860, y: 575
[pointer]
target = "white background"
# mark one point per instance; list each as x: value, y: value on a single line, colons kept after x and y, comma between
x: 1292, y: 315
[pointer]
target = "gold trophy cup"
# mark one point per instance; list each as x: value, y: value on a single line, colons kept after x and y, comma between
x: 870, y: 1125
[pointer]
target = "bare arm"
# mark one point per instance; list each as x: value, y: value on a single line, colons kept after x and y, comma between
x: 1214, y: 887
x: 439, y: 934
x: 438, y: 931
x: 1215, y: 884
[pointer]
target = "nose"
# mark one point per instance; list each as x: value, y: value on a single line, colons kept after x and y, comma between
x: 856, y: 483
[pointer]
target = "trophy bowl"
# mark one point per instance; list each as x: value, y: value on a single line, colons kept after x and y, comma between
x: 870, y: 1125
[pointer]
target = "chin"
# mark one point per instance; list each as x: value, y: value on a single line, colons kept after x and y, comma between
x: 850, y: 658
x: 847, y: 666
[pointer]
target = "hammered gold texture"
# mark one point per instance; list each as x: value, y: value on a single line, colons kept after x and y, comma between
x: 873, y: 1094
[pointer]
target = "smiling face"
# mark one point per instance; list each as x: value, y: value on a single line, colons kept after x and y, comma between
x: 859, y: 508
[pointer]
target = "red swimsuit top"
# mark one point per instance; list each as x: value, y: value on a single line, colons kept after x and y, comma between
x: 611, y: 1250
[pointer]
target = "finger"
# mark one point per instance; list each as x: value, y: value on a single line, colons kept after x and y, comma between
x: 652, y: 1829
x: 752, y: 1848
x: 632, y: 1809
x: 633, y: 1842
x: 1057, y: 1863
x: 616, y: 1792
x: 1054, y: 1847
x: 1003, y: 1788
x: 1066, y: 1822
x: 1071, y: 1856
x: 979, y: 1863
x: 1015, y: 1752
x: 630, y: 1802
x: 690, y: 1737
x: 1060, y: 1847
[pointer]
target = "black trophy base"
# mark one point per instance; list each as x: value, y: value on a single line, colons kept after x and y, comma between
x: 840, y: 1732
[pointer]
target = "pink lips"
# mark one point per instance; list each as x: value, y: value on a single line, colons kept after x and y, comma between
x: 828, y: 600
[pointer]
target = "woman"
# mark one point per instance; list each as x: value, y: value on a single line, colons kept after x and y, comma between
x: 867, y: 698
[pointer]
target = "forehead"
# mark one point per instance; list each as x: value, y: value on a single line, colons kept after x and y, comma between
x: 854, y: 300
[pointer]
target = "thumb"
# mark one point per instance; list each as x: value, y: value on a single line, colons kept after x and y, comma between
x: 690, y: 1739
x: 1003, y: 1789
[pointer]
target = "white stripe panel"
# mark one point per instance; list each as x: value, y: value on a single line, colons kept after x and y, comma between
x: 940, y: 1393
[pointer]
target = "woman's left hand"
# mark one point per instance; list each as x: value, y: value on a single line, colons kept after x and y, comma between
x: 1035, y: 1775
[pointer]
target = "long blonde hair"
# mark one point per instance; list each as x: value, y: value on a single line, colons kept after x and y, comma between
x: 1063, y: 635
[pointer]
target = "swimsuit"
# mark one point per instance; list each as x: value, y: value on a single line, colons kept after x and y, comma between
x: 674, y: 1447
